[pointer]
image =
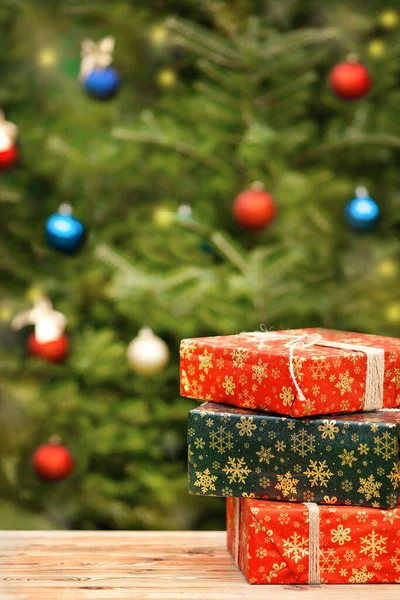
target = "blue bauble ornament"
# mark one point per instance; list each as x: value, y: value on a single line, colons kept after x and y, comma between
x: 362, y: 213
x: 64, y: 232
x: 206, y: 247
x: 102, y: 83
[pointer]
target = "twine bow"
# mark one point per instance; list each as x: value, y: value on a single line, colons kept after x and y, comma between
x: 49, y: 324
x: 8, y: 132
x: 96, y: 55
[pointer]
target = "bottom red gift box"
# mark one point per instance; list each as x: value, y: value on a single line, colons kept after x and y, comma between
x: 288, y: 543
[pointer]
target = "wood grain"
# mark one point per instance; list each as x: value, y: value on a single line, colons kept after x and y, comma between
x: 72, y: 565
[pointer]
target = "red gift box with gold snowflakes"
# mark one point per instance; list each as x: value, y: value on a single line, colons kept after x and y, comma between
x: 297, y: 372
x: 286, y: 543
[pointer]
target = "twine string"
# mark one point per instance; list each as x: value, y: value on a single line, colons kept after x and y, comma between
x: 314, y: 577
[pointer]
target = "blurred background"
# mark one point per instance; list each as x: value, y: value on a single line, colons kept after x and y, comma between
x: 162, y: 156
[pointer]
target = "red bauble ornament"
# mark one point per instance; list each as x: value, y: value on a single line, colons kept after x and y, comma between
x: 8, y: 158
x: 350, y: 80
x: 254, y: 209
x: 54, y: 351
x: 52, y: 462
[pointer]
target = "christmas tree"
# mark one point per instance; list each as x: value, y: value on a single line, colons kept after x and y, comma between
x: 213, y: 97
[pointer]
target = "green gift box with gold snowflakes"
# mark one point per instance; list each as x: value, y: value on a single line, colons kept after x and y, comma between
x: 346, y: 459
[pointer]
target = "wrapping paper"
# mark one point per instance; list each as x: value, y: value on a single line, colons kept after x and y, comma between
x: 271, y: 542
x: 349, y: 459
x: 254, y: 370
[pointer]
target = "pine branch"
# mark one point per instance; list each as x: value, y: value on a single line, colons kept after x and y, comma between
x: 285, y: 45
x: 385, y: 140
x: 203, y: 43
x: 227, y: 250
x: 220, y: 76
x: 162, y: 140
x: 290, y: 88
x: 112, y: 258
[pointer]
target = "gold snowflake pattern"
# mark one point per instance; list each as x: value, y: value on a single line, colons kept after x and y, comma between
x: 360, y: 575
x: 308, y: 496
x: 348, y: 457
x: 295, y: 547
x: 318, y: 368
x: 395, y: 560
x: 261, y: 552
x: 246, y: 426
x: 328, y: 429
x: 328, y: 560
x: 350, y: 555
x: 187, y: 348
x: 284, y: 518
x: 199, y: 443
x: 340, y: 535
x: 280, y: 445
x: 259, y: 371
x: 236, y: 470
x: 369, y: 487
x: 386, y: 445
x: 373, y: 545
x: 363, y: 449
x: 390, y: 515
x: 205, y: 481
x: 197, y: 389
x: 396, y: 378
x: 205, y: 361
x: 394, y: 475
x: 287, y: 484
x: 265, y: 455
x: 298, y: 368
x: 229, y: 386
x: 362, y: 516
x: 185, y: 383
x: 344, y: 383
x: 264, y: 482
x: 318, y: 473
x: 287, y: 396
x: 221, y: 440
x: 302, y: 442
x: 239, y: 358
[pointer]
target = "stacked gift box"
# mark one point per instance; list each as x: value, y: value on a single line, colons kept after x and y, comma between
x: 300, y: 432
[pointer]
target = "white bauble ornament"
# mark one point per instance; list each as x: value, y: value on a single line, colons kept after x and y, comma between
x: 147, y: 353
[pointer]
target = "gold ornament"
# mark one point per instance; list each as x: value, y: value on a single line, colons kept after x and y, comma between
x: 158, y: 35
x: 167, y: 78
x: 389, y: 19
x: 392, y: 312
x: 163, y: 217
x: 6, y: 312
x: 147, y: 353
x: 47, y: 58
x: 33, y: 294
x: 387, y: 268
x: 376, y: 48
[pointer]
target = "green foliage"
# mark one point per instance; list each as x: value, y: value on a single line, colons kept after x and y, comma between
x: 250, y: 103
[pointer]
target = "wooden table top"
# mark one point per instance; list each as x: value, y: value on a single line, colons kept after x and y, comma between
x: 70, y: 565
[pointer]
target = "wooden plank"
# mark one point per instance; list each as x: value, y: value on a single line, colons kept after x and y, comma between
x: 72, y: 565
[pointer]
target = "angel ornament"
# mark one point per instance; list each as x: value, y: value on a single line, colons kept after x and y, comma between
x: 98, y: 77
x: 48, y: 340
x: 8, y: 147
